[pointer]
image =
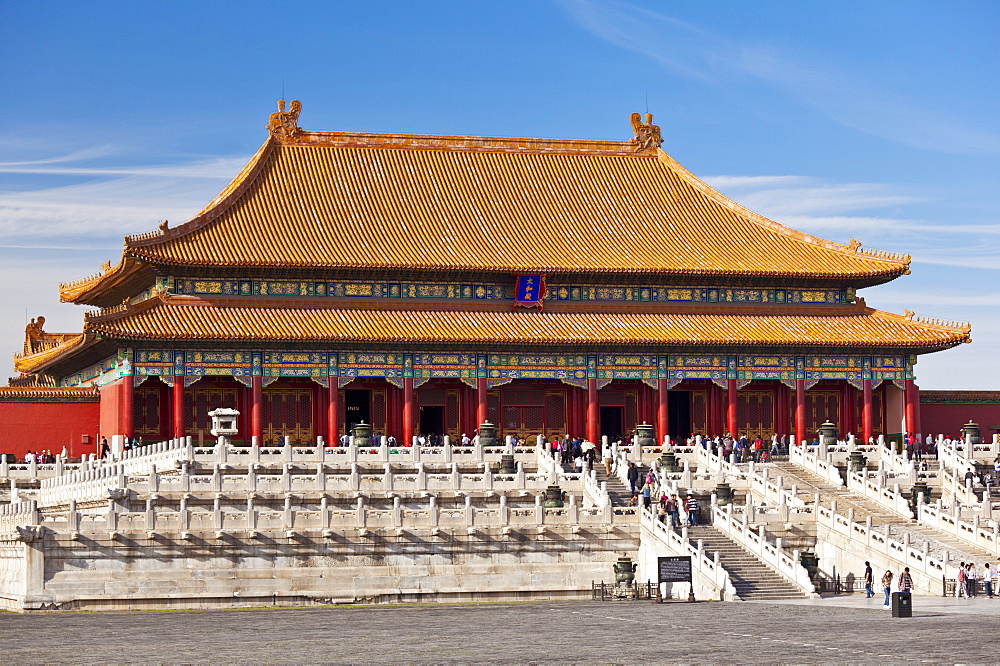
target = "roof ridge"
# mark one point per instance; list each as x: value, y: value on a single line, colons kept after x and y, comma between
x: 851, y: 249
x: 243, y: 180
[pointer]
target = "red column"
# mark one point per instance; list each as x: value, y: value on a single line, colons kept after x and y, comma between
x: 662, y: 411
x: 713, y: 417
x: 407, y: 409
x: 867, y: 421
x: 780, y: 409
x: 911, y: 394
x: 800, y: 410
x: 847, y: 410
x: 593, y: 415
x: 178, y: 404
x: 481, y: 401
x: 731, y: 424
x: 257, y: 409
x: 333, y: 412
x: 128, y: 405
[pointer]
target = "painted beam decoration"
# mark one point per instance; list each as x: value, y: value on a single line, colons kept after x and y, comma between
x: 497, y: 369
x: 540, y: 291
x: 503, y: 368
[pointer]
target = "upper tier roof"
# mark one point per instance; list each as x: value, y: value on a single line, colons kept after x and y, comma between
x: 393, y: 201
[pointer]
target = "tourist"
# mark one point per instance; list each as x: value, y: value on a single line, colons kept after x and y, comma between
x: 869, y: 581
x: 673, y: 510
x: 988, y: 580
x: 691, y: 506
x: 606, y: 453
x: 970, y: 579
x: 961, y: 589
x: 905, y: 580
x: 887, y: 586
x: 647, y: 495
x: 633, y: 478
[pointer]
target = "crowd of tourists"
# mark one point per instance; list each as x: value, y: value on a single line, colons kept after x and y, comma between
x: 41, y: 457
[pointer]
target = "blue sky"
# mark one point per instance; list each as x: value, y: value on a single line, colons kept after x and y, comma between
x: 873, y: 120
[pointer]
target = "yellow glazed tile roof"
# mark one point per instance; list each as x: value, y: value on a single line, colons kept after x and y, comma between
x: 166, y: 318
x: 382, y: 201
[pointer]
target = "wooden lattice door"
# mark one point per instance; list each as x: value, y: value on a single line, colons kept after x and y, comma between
x: 146, y: 412
x: 878, y: 427
x: 821, y: 406
x: 288, y: 413
x: 198, y: 402
x: 755, y: 414
x: 699, y: 412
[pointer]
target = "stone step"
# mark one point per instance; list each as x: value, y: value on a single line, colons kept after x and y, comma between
x: 752, y: 578
x: 865, y: 508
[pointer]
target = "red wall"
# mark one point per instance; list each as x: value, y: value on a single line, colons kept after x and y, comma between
x: 948, y: 418
x: 110, y: 413
x: 35, y: 426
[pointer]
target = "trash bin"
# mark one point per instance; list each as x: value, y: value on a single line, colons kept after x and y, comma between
x: 902, y: 604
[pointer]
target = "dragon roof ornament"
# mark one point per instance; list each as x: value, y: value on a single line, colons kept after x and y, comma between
x: 647, y: 135
x: 285, y: 123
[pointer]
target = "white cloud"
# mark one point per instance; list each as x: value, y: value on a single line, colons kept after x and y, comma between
x: 113, y: 201
x: 849, y: 99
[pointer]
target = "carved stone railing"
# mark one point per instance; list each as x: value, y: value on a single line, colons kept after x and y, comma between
x: 876, y: 545
x: 818, y: 466
x: 872, y: 485
x: 982, y: 533
x: 710, y: 578
x: 300, y: 515
x: 34, y: 471
x: 96, y: 484
x: 771, y: 554
x: 17, y: 514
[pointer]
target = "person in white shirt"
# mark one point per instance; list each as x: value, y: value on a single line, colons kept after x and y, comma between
x: 988, y: 580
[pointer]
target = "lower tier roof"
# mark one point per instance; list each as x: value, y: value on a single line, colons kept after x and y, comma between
x: 180, y: 318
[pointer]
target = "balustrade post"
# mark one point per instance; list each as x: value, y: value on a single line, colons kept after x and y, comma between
x: 504, y: 511
x: 519, y: 481
x: 487, y: 476
x: 217, y: 512
x: 251, y: 514
x: 362, y: 512
x: 397, y: 512
x: 574, y: 510
x: 251, y: 478
x: 324, y: 513
x: 387, y: 478
x: 320, y: 484
x: 286, y: 478
x: 539, y: 511
x: 456, y: 477
x: 355, y: 478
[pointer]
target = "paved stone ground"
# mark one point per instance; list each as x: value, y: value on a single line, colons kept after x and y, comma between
x: 553, y: 632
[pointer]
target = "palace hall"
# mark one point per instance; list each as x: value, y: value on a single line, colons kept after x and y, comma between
x: 427, y: 284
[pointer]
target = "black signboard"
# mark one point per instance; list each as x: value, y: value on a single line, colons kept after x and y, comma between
x: 674, y: 569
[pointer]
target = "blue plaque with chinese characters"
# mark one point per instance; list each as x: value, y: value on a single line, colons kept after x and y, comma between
x: 530, y: 291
